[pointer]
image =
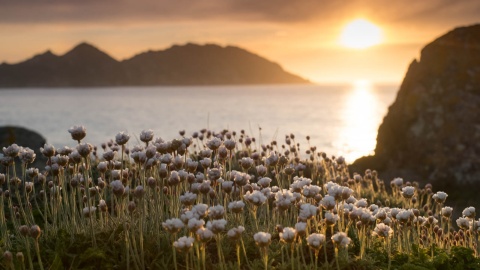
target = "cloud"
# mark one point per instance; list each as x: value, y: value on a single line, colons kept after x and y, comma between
x: 278, y: 11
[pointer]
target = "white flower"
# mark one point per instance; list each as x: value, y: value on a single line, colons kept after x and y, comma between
x: 299, y: 183
x: 256, y: 197
x: 47, y: 150
x: 103, y: 205
x: 14, y: 149
x: 463, y: 223
x: 382, y: 230
x: 288, y: 235
x: 362, y: 203
x: 200, y: 210
x: 307, y: 211
x: 122, y: 138
x: 331, y: 219
x: 217, y: 226
x: 440, y: 197
x: 469, y: 212
x: 447, y: 211
x: 204, y: 235
x: 235, y: 233
x: 405, y: 215
x: 264, y: 182
x: 328, y: 202
x: 341, y: 239
x: 408, y: 192
x: 27, y: 155
x: 316, y: 240
x: 236, y: 206
x: 398, y: 182
x: 301, y: 228
x: 183, y: 244
x: 194, y: 224
x: 261, y: 170
x: 311, y: 190
x: 173, y: 225
x: 214, y: 143
x: 146, y: 135
x: 77, y: 132
x: 188, y: 198
x: 117, y: 187
x: 216, y: 212
x: 227, y: 186
x: 262, y: 239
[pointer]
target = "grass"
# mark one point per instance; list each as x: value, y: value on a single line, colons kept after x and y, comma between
x: 219, y: 201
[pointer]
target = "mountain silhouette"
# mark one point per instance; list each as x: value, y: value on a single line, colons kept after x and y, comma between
x: 189, y: 64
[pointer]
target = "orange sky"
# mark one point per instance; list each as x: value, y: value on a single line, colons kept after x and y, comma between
x: 303, y: 36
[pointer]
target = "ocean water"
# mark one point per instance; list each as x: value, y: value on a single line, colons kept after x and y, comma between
x: 340, y: 119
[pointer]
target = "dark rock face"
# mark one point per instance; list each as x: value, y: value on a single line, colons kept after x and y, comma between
x: 25, y: 138
x: 189, y: 64
x: 432, y: 130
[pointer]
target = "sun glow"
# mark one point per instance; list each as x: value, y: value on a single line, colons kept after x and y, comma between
x: 360, y: 34
x: 359, y: 137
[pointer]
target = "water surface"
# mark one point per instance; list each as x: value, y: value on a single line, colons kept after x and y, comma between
x: 340, y: 119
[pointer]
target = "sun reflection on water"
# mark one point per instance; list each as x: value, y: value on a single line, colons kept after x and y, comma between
x: 361, y: 121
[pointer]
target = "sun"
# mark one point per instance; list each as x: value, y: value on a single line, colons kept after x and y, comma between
x: 360, y: 34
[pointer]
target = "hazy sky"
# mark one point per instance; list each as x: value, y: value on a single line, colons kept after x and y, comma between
x: 301, y: 35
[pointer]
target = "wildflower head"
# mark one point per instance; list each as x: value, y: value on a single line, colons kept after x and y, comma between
x: 146, y: 135
x: 27, y: 155
x: 341, y: 239
x: 184, y: 244
x: 35, y: 231
x: 288, y: 235
x: 235, y: 233
x: 316, y: 240
x: 122, y: 138
x: 236, y: 206
x: 440, y: 197
x: 383, y: 231
x: 408, y: 192
x: 469, y: 212
x: 256, y: 197
x: 217, y: 226
x: 204, y: 235
x: 12, y: 150
x: 48, y: 150
x: 77, y: 132
x: 262, y: 239
x: 216, y: 212
x: 173, y: 225
x: 117, y: 188
x: 447, y: 211
x: 463, y: 223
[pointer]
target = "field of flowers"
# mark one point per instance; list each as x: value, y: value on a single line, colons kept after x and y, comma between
x: 219, y: 201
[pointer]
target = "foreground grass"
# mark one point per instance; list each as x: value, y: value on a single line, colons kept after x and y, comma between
x: 219, y: 201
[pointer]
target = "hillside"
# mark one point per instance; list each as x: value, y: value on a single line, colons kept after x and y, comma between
x: 190, y: 64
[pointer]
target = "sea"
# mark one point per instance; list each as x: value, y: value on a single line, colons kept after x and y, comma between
x: 340, y: 119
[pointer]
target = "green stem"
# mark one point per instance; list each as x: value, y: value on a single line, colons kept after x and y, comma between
x: 37, y: 249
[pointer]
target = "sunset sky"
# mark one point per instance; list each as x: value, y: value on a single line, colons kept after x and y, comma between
x: 303, y: 36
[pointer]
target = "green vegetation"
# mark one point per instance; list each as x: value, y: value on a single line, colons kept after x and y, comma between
x: 219, y: 201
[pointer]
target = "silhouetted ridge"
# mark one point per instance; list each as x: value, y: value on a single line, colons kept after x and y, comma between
x: 188, y: 64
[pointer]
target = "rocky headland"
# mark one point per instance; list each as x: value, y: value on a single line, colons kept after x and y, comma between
x: 431, y: 132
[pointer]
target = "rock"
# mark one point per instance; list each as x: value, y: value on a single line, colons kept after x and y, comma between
x: 25, y: 138
x: 432, y: 130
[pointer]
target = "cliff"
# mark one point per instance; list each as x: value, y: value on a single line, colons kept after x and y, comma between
x: 431, y: 132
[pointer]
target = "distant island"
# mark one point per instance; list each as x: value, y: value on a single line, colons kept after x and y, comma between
x: 189, y: 64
